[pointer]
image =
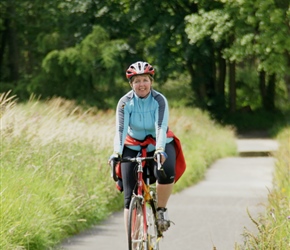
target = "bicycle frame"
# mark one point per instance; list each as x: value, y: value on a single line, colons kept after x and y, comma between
x: 143, y: 193
x: 142, y: 186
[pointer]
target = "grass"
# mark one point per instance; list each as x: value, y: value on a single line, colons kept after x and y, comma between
x: 203, y: 142
x: 55, y: 181
x: 274, y: 225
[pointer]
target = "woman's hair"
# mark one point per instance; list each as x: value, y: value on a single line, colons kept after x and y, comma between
x: 133, y: 77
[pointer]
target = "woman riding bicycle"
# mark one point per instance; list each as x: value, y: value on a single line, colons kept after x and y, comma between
x: 142, y: 126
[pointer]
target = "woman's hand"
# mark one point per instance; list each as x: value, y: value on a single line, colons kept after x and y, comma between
x: 162, y: 154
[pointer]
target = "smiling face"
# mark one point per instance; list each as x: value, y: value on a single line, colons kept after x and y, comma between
x: 141, y: 84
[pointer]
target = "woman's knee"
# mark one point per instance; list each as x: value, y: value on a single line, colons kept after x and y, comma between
x: 167, y: 175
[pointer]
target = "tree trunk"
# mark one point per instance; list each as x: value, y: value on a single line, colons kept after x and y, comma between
x: 8, y: 45
x: 267, y: 91
x: 262, y: 86
x: 271, y: 92
x: 191, y: 71
x: 13, y: 58
x: 3, y: 44
x: 287, y: 77
x: 209, y: 69
x: 232, y: 87
x: 287, y: 82
x: 220, y: 89
x: 197, y: 87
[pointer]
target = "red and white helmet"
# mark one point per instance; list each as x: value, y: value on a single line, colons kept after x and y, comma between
x: 139, y: 68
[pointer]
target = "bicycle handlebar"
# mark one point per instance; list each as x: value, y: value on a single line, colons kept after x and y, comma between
x: 140, y: 159
x: 135, y: 159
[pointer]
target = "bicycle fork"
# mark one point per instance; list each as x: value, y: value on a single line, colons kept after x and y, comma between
x: 140, y: 188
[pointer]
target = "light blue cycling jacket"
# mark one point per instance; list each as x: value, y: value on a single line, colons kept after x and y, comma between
x: 140, y: 117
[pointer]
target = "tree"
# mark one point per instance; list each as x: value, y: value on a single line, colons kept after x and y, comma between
x: 248, y: 31
x: 28, y: 31
x: 217, y: 26
x: 209, y: 42
x: 9, y: 49
x: 263, y: 36
x: 87, y: 71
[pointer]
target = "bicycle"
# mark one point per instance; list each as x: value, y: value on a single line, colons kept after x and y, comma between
x: 143, y: 233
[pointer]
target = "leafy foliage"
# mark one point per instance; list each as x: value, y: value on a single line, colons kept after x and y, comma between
x: 83, y: 71
x: 205, y: 41
x: 247, y: 32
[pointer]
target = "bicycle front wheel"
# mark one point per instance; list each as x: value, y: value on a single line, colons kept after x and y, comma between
x: 136, y: 232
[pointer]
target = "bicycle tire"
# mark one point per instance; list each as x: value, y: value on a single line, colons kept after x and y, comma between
x: 136, y: 225
x: 152, y: 232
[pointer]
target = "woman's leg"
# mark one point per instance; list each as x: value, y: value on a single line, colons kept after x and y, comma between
x: 129, y: 181
x: 165, y: 184
x: 163, y: 193
x: 164, y: 187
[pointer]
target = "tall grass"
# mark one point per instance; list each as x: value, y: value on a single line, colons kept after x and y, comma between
x: 54, y: 175
x: 274, y: 225
x: 203, y: 142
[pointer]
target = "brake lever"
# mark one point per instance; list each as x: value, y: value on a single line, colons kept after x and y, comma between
x: 113, y: 170
x: 160, y: 167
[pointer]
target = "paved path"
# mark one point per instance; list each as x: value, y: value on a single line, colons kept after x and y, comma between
x: 212, y: 213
